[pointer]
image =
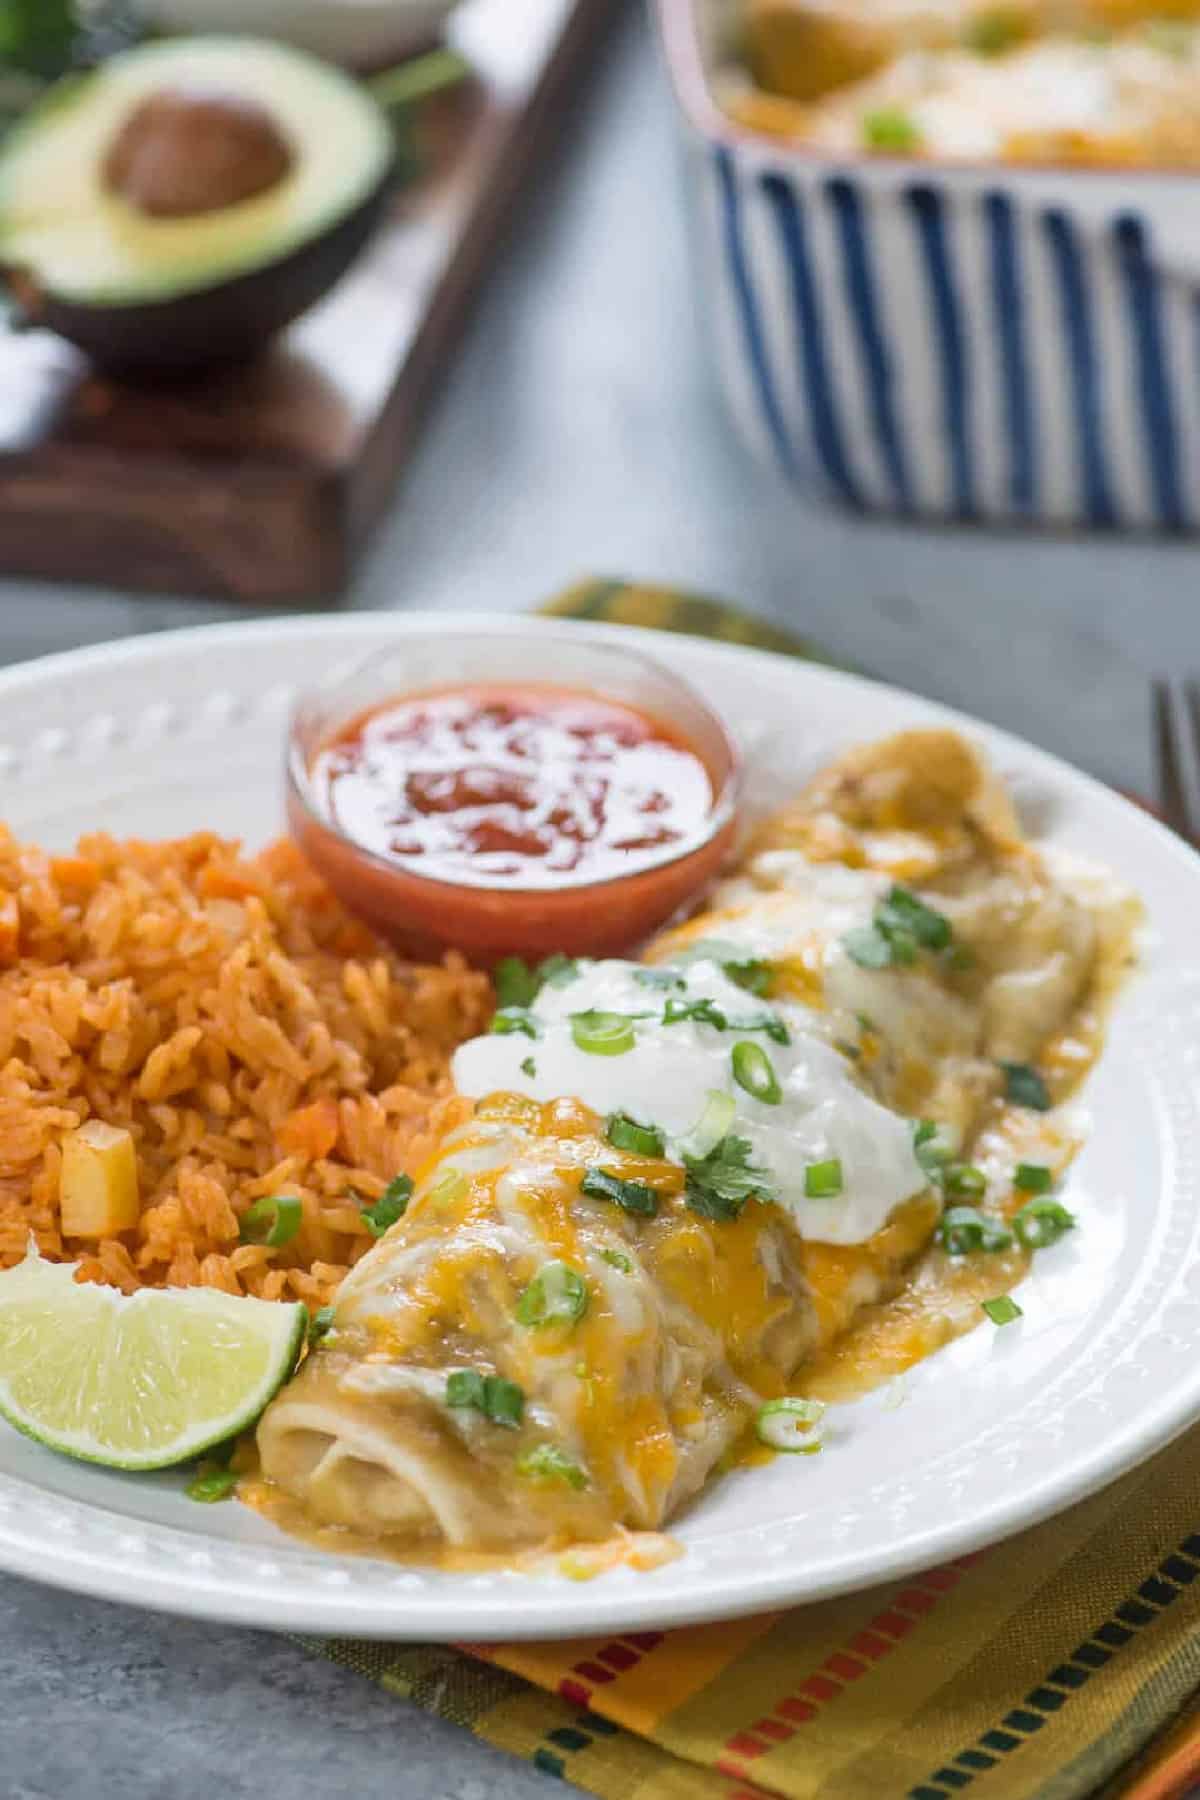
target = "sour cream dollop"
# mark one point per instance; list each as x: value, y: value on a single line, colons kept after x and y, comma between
x: 668, y: 1075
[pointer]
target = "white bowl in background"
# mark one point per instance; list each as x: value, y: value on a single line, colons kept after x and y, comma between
x: 359, y: 33
x: 992, y: 342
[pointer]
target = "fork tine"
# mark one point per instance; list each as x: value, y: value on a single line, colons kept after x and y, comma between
x: 1177, y: 742
x: 1191, y: 692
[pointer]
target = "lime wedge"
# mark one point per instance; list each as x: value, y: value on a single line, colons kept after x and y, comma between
x: 136, y: 1382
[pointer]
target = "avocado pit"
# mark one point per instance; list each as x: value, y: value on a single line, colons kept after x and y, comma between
x: 189, y: 150
x: 181, y: 203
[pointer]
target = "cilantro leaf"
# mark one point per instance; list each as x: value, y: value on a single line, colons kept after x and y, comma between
x: 719, y: 1184
x: 750, y: 972
x: 517, y: 985
x: 391, y: 1205
x: 512, y: 1019
x: 902, y: 927
x: 903, y: 911
x: 557, y: 970
x: 658, y: 978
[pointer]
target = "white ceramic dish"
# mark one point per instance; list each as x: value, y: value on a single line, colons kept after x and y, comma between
x: 166, y: 734
x: 953, y: 341
x: 359, y: 33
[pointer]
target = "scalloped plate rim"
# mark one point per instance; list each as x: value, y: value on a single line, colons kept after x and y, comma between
x: 275, y: 1585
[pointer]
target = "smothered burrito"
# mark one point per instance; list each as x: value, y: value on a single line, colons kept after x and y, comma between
x: 784, y: 1155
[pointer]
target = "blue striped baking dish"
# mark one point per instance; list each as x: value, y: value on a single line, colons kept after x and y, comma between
x: 998, y: 343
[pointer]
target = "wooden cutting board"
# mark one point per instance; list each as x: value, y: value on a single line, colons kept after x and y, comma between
x: 262, y: 483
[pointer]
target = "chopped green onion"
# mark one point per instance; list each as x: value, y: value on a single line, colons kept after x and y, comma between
x: 930, y: 1148
x: 557, y: 1295
x: 964, y: 1228
x: 515, y: 982
x: 464, y: 1387
x: 321, y: 1324
x: 790, y: 1425
x: 616, y: 1260
x: 889, y: 129
x: 630, y: 1196
x: 529, y: 1068
x: 1002, y: 1310
x: 624, y: 1133
x: 512, y: 1019
x: 719, y: 1184
x: 963, y: 1181
x: 546, y: 1462
x: 823, y: 1180
x: 273, y: 1221
x: 752, y: 1070
x: 1042, y: 1222
x: 720, y: 1110
x: 501, y: 1401
x: 851, y: 1051
x: 603, y: 1033
x: 447, y: 1189
x: 391, y: 1205
x: 1033, y: 1178
x: 211, y: 1484
x: 1024, y: 1086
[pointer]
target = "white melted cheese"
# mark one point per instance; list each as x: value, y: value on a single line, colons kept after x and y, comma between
x: 666, y: 1079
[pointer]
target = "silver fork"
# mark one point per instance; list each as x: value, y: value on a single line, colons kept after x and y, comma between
x: 1177, y: 754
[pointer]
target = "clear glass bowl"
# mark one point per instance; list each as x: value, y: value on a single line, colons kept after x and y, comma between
x: 424, y: 915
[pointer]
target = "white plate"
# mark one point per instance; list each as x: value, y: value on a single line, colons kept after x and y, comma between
x: 167, y: 734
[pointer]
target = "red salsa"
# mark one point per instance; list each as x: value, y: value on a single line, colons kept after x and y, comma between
x: 514, y: 787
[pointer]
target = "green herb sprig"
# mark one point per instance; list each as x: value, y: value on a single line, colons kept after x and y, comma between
x: 391, y: 1205
x: 718, y: 1185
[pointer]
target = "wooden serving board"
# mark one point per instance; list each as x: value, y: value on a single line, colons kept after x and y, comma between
x: 261, y: 483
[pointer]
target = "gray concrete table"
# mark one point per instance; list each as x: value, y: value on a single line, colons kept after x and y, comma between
x: 577, y: 434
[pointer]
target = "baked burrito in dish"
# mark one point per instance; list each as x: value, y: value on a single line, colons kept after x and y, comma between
x: 771, y: 1159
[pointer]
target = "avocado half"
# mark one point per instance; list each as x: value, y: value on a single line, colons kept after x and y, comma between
x: 187, y: 199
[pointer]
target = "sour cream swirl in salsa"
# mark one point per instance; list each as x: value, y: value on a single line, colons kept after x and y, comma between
x: 528, y: 787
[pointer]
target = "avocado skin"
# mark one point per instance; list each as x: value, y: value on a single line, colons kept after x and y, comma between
x: 227, y: 322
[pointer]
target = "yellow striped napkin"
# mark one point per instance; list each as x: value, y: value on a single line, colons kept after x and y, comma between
x: 1063, y: 1664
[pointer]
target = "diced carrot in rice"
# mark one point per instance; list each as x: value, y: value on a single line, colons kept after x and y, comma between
x: 10, y: 928
x: 311, y: 1131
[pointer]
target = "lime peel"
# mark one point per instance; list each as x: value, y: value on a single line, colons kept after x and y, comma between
x: 141, y: 1381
